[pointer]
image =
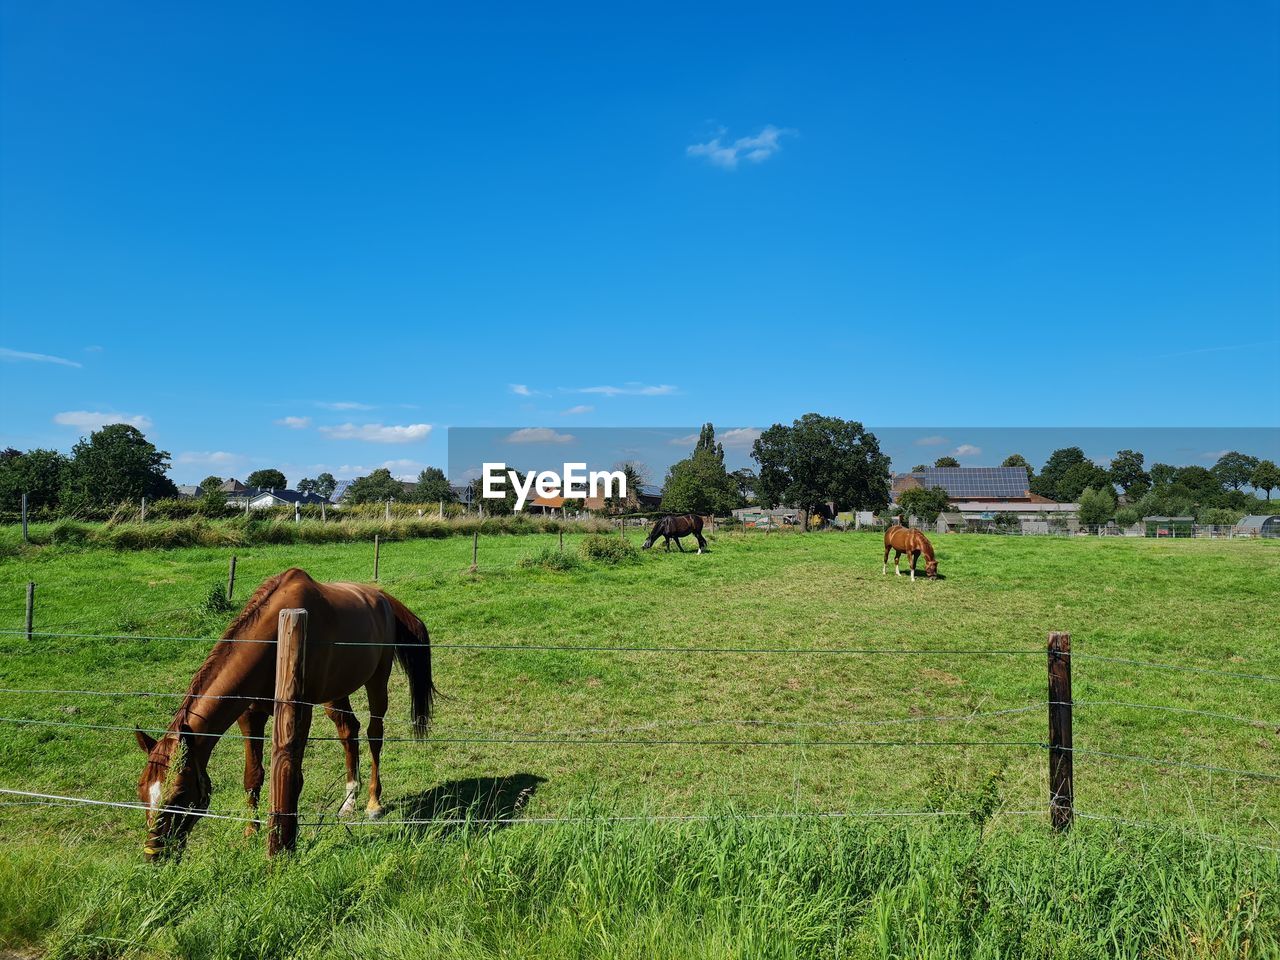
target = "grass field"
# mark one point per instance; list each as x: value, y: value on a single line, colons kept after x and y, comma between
x: 778, y: 733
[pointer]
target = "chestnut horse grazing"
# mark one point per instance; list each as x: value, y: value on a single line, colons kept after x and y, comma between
x: 354, y: 631
x: 913, y: 543
x: 675, y: 527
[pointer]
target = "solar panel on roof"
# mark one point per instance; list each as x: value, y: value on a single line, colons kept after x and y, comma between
x: 959, y: 482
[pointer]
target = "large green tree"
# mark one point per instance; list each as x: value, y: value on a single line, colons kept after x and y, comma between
x: 1265, y: 476
x: 432, y: 487
x: 819, y: 459
x: 1127, y: 471
x: 1055, y: 470
x: 1097, y: 505
x: 269, y: 479
x: 40, y: 474
x: 946, y: 462
x: 1234, y: 469
x: 326, y: 484
x: 699, y: 483
x: 376, y: 487
x: 924, y: 504
x: 115, y: 464
x: 1162, y: 474
x: 211, y: 482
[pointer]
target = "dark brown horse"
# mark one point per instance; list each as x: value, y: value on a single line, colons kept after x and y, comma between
x: 354, y: 632
x: 911, y: 542
x: 675, y: 527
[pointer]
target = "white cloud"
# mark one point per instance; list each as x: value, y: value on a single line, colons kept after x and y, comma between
x: 21, y: 356
x: 294, y: 423
x: 377, y: 432
x: 1214, y: 455
x: 539, y: 435
x: 94, y: 419
x: 212, y: 458
x: 755, y: 149
x: 739, y: 437
x: 630, y: 390
x: 574, y: 411
x: 966, y: 450
x: 345, y: 405
x: 934, y: 441
x: 400, y: 469
x: 686, y: 441
x: 520, y: 390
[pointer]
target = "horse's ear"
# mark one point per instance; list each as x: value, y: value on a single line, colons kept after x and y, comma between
x: 145, y: 743
x: 185, y: 734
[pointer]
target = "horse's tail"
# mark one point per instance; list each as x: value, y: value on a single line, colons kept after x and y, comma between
x: 413, y: 654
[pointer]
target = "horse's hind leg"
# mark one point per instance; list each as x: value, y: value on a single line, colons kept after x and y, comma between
x: 376, y: 688
x: 897, y: 557
x: 348, y: 727
x: 253, y: 722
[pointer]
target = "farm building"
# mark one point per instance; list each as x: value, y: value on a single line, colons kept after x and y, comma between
x: 1260, y: 525
x: 190, y: 491
x: 1169, y: 526
x: 283, y: 498
x: 979, y: 494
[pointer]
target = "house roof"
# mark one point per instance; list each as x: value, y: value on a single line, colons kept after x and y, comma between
x: 190, y: 490
x: 1256, y: 521
x: 995, y: 483
x: 232, y: 485
x: 291, y: 496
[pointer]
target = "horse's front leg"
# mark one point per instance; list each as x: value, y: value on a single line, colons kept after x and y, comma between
x: 666, y: 543
x: 679, y: 545
x: 348, y: 727
x: 702, y: 543
x: 253, y: 723
x: 915, y: 555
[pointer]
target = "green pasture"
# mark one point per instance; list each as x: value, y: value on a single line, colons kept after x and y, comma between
x: 879, y: 696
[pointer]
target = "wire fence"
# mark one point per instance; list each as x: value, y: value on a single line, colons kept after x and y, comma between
x: 656, y: 733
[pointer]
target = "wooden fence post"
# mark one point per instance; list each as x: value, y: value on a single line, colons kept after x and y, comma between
x: 31, y: 607
x: 562, y: 541
x: 289, y: 732
x: 143, y: 517
x: 441, y: 509
x: 377, y: 554
x: 1061, y: 779
x: 475, y: 550
x: 25, y: 537
x: 231, y: 577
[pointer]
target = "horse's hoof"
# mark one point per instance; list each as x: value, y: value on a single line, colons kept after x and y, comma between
x: 251, y: 829
x: 375, y: 813
x: 347, y: 810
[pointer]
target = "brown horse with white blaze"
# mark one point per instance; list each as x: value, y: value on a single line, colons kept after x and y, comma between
x: 675, y: 527
x: 913, y: 543
x: 354, y: 633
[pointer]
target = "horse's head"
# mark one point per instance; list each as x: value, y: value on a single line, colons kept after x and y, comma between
x: 174, y: 780
x: 931, y: 569
x: 655, y: 533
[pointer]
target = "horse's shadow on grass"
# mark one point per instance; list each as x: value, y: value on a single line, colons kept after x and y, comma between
x: 478, y: 803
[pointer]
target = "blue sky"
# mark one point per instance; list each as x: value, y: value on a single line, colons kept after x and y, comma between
x: 315, y: 237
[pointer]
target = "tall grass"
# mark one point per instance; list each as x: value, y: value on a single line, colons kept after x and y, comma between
x: 729, y: 887
x: 257, y: 530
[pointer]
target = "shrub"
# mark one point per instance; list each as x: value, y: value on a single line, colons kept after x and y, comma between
x: 608, y: 549
x: 69, y: 531
x: 215, y: 602
x: 550, y: 558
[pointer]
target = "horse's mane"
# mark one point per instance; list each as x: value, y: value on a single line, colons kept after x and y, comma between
x: 925, y: 546
x: 253, y: 608
x: 222, y: 650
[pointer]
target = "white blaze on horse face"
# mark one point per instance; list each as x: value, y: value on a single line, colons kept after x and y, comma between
x: 156, y: 787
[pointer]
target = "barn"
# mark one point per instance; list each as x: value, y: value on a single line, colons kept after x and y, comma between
x: 1260, y: 525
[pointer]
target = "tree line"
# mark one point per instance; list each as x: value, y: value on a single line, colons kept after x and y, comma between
x: 810, y: 464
